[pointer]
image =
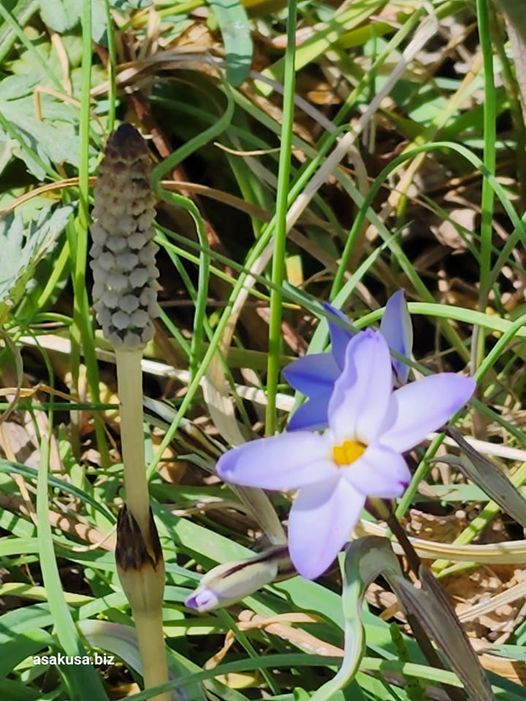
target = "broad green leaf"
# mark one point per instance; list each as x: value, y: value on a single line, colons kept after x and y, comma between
x: 36, y: 61
x: 60, y: 15
x: 23, y: 245
x: 21, y: 646
x: 235, y: 29
x: 23, y: 620
x: 16, y: 86
x: 513, y: 652
x: 98, y: 22
x: 42, y: 142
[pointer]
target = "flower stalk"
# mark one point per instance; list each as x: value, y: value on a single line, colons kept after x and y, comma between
x: 125, y: 298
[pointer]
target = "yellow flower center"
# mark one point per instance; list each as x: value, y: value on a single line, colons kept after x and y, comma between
x: 346, y: 453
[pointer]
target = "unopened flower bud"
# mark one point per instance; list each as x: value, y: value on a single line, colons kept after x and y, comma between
x: 228, y: 583
x: 123, y: 252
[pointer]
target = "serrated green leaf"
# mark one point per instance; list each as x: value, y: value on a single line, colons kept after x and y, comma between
x: 98, y: 22
x: 51, y: 141
x: 131, y: 4
x: 61, y: 15
x: 24, y: 244
x: 16, y: 86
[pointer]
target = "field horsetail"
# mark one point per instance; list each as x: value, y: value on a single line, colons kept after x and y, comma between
x: 125, y: 301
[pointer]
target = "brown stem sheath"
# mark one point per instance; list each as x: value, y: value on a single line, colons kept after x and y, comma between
x: 141, y: 570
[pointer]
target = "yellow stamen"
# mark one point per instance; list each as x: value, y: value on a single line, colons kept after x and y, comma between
x: 346, y: 453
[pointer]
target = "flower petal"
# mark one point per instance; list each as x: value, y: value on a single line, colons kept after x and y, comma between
x: 380, y: 472
x: 311, y: 416
x: 320, y: 523
x: 340, y: 333
x: 397, y: 329
x: 287, y: 461
x: 424, y: 406
x: 312, y: 374
x: 202, y: 600
x: 361, y: 394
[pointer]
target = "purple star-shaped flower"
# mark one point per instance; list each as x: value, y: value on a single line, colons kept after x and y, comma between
x: 314, y: 375
x: 359, y: 456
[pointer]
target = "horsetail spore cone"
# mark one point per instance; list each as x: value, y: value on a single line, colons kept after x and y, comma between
x: 123, y: 252
x: 125, y: 301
